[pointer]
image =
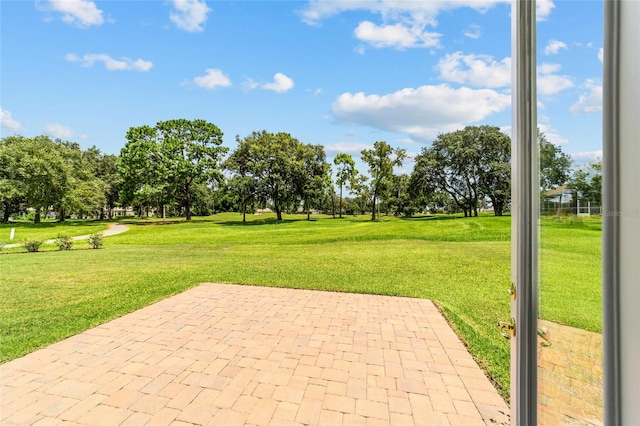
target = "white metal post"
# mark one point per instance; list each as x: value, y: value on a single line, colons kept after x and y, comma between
x: 525, y: 212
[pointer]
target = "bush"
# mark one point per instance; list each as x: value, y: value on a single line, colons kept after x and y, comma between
x: 64, y: 242
x: 32, y: 245
x: 96, y: 240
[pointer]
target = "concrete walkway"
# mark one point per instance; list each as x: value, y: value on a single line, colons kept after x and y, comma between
x: 112, y: 229
x: 223, y: 354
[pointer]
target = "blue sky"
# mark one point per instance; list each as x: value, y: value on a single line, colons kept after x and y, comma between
x: 343, y: 74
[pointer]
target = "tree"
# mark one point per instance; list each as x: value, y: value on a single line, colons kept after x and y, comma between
x: 315, y: 176
x: 586, y: 181
x: 399, y: 200
x: 167, y: 162
x: 361, y: 189
x: 141, y: 169
x: 285, y: 171
x: 495, y: 166
x: 444, y: 167
x: 467, y: 165
x: 104, y: 167
x: 555, y: 165
x: 37, y: 171
x: 84, y: 192
x: 12, y: 185
x: 191, y: 153
x: 242, y: 183
x: 345, y: 172
x: 381, y: 160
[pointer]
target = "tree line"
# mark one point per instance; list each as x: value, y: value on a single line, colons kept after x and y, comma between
x: 179, y: 167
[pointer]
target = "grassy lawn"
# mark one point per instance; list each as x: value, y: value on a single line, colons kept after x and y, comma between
x: 48, y: 229
x: 571, y: 271
x: 461, y: 264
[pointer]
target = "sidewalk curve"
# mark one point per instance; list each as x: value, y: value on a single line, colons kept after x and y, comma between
x: 112, y: 229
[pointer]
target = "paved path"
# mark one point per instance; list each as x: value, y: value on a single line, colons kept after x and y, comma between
x: 112, y: 229
x: 223, y: 354
x: 570, y: 376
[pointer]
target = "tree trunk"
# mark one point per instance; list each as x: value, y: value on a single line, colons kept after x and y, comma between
x: 244, y: 211
x: 373, y: 211
x: 36, y: 219
x: 340, y: 206
x: 7, y: 213
x: 278, y: 210
x: 61, y: 215
x: 187, y: 206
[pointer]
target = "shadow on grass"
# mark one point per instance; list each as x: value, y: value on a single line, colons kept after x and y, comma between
x: 51, y: 224
x: 267, y: 221
x: 430, y: 218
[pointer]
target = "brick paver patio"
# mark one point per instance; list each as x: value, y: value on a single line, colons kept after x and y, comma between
x: 228, y: 354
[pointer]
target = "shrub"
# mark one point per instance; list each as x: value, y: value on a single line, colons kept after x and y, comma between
x: 64, y: 242
x: 32, y: 245
x: 96, y: 240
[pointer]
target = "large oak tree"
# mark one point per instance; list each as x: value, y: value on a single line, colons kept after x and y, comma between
x: 381, y: 160
x: 167, y: 162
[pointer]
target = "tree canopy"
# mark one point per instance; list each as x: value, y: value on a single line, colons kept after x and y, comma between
x: 467, y: 165
x: 555, y: 165
x: 345, y: 173
x: 280, y: 169
x: 381, y: 160
x: 166, y: 163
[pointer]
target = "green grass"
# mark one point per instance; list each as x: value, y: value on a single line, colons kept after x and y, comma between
x: 461, y: 263
x: 571, y: 271
x: 48, y: 229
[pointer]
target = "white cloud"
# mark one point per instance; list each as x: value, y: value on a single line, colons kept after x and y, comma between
x: 315, y: 92
x: 281, y: 83
x: 476, y: 70
x: 590, y: 101
x: 212, y: 79
x: 601, y: 54
x: 81, y: 13
x: 547, y: 68
x: 543, y: 9
x: 552, y: 134
x: 554, y: 46
x: 317, y: 10
x: 550, y: 83
x: 346, y: 147
x: 7, y: 122
x: 402, y: 23
x: 189, y: 15
x: 397, y: 35
x: 485, y: 71
x: 473, y: 31
x: 421, y: 113
x: 250, y: 83
x: 111, y: 64
x: 586, y: 157
x: 58, y: 131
